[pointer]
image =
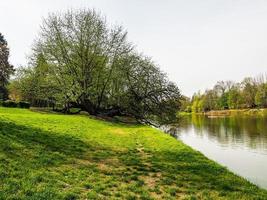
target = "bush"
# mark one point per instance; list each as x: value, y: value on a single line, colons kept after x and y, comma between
x: 9, y: 103
x: 13, y: 104
x: 23, y: 104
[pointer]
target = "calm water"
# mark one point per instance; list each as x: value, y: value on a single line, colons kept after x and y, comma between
x: 239, y: 143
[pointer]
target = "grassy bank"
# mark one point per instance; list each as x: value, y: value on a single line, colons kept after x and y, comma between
x: 231, y: 112
x: 50, y: 156
x: 234, y: 112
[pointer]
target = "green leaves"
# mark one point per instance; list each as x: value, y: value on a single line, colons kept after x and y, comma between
x: 80, y: 60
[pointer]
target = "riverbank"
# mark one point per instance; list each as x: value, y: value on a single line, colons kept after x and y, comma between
x: 51, y: 156
x: 231, y: 112
x: 234, y: 112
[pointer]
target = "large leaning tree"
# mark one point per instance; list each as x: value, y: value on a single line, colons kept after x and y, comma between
x: 6, y: 69
x: 79, y: 60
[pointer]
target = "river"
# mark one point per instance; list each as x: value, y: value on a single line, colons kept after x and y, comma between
x: 239, y: 143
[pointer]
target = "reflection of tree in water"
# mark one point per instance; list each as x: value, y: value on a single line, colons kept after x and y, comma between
x: 233, y: 130
x: 183, y: 124
x: 228, y: 131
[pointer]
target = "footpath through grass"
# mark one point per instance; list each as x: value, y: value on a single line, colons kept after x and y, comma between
x: 50, y: 156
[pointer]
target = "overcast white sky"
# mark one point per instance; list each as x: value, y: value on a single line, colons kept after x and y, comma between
x: 195, y: 42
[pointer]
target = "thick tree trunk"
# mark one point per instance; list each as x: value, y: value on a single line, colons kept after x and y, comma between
x: 110, y: 112
x: 88, y: 106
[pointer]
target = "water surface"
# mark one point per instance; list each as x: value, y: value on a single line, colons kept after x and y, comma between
x: 239, y: 143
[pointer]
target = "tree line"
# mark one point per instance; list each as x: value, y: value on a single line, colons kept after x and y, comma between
x: 249, y: 93
x: 79, y: 60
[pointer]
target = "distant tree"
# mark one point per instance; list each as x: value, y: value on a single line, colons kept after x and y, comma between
x: 185, y: 104
x: 14, y: 91
x: 249, y: 92
x: 235, y: 99
x: 195, y: 102
x: 223, y: 101
x: 222, y: 89
x: 261, y: 95
x: 194, y: 107
x: 222, y: 86
x: 200, y: 106
x: 6, y: 69
x: 210, y: 100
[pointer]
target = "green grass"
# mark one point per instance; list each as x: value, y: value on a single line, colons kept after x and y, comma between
x: 52, y: 156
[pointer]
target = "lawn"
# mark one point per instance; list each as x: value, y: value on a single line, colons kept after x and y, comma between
x: 53, y: 156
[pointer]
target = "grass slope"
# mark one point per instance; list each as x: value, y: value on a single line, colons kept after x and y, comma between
x: 50, y: 156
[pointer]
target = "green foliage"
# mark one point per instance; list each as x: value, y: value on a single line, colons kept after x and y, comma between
x: 249, y: 92
x: 195, y: 105
x: 79, y: 60
x: 235, y: 98
x: 223, y: 101
x: 52, y: 156
x: 14, y: 104
x: 185, y: 104
x: 261, y: 96
x: 228, y: 95
x: 23, y: 104
x: 210, y: 100
x: 200, y: 105
x: 10, y: 103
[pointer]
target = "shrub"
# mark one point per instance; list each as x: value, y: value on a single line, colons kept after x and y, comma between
x: 10, y: 103
x: 13, y: 104
x: 23, y: 104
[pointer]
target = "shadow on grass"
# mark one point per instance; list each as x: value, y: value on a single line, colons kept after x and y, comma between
x: 17, y: 140
x: 38, y: 164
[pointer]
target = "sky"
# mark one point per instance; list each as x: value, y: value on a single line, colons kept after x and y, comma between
x: 197, y: 43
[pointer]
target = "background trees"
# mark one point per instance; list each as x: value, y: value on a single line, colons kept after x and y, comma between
x: 6, y: 69
x: 249, y: 89
x: 250, y: 93
x: 79, y: 60
x: 235, y: 97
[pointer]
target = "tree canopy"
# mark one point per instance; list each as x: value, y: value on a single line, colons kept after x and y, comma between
x: 79, y: 60
x: 250, y: 93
